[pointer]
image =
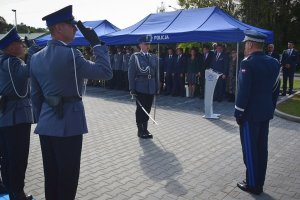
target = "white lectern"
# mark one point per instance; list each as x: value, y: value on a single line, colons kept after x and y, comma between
x: 211, y: 78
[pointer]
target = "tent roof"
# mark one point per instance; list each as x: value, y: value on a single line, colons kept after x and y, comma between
x: 101, y: 27
x: 193, y: 25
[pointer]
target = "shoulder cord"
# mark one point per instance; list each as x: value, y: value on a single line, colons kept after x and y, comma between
x: 147, y: 69
x: 85, y: 81
x: 276, y: 82
x: 20, y: 96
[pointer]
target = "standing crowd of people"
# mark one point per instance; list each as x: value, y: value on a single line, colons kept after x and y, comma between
x: 181, y: 73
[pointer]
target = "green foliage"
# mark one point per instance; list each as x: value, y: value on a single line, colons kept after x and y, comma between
x: 22, y: 28
x: 281, y: 16
x: 227, y: 5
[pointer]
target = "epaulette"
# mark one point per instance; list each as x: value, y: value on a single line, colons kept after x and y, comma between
x: 247, y: 58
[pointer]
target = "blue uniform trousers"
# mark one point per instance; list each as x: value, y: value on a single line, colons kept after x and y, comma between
x: 254, y: 139
x: 61, y: 160
x: 15, y: 148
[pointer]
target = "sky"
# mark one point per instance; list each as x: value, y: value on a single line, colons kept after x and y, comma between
x: 121, y: 13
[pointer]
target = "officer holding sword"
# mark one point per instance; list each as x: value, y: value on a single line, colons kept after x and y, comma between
x: 143, y: 84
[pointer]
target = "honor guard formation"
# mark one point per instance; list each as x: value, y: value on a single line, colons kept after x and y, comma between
x: 47, y: 88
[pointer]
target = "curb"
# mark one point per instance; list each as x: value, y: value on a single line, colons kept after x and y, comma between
x: 284, y: 115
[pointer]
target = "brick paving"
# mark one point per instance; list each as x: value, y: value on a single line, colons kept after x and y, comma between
x: 189, y: 158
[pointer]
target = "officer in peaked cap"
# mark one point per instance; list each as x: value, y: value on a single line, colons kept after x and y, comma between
x: 57, y: 73
x: 15, y: 114
x: 143, y: 83
x: 258, y: 89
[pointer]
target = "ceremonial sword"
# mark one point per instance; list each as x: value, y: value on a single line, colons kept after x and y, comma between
x: 132, y: 97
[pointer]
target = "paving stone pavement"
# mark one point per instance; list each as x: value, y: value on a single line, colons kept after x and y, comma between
x: 189, y: 158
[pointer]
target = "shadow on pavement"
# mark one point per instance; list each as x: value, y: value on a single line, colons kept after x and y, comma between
x: 231, y: 128
x: 263, y: 196
x: 159, y: 164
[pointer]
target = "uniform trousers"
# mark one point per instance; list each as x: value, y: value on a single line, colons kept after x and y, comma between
x: 61, y: 160
x: 15, y: 142
x: 254, y: 140
x: 287, y: 74
x: 146, y: 100
x: 125, y: 81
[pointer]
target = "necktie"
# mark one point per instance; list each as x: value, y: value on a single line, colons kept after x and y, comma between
x: 290, y: 52
x: 218, y: 54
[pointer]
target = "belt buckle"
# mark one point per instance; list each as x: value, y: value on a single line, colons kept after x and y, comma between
x: 149, y: 76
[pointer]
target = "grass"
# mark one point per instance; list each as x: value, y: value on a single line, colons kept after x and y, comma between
x: 296, y: 85
x: 291, y: 106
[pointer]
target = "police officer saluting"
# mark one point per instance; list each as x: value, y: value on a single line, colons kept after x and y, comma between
x: 258, y: 89
x: 57, y: 73
x: 15, y: 114
x: 143, y: 83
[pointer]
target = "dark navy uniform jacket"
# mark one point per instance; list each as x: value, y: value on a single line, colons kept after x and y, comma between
x: 180, y: 64
x: 221, y: 64
x: 208, y: 60
x: 169, y: 63
x: 140, y: 79
x: 274, y: 55
x: 19, y: 110
x: 291, y: 59
x: 258, y: 87
x: 53, y: 74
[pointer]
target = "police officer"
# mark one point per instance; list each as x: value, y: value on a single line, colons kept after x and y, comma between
x: 15, y: 114
x: 2, y: 187
x: 258, y: 89
x: 57, y: 73
x: 143, y: 83
x: 125, y: 66
x: 288, y: 62
x: 118, y: 62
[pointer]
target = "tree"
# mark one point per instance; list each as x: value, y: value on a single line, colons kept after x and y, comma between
x: 3, y: 25
x: 281, y: 16
x: 227, y: 5
x: 22, y: 28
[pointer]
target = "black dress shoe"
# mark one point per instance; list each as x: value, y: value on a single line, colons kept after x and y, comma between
x: 145, y: 126
x: 283, y: 94
x: 20, y: 196
x: 253, y: 190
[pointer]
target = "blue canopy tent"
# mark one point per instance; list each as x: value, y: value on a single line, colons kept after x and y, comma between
x: 102, y: 27
x: 193, y: 25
